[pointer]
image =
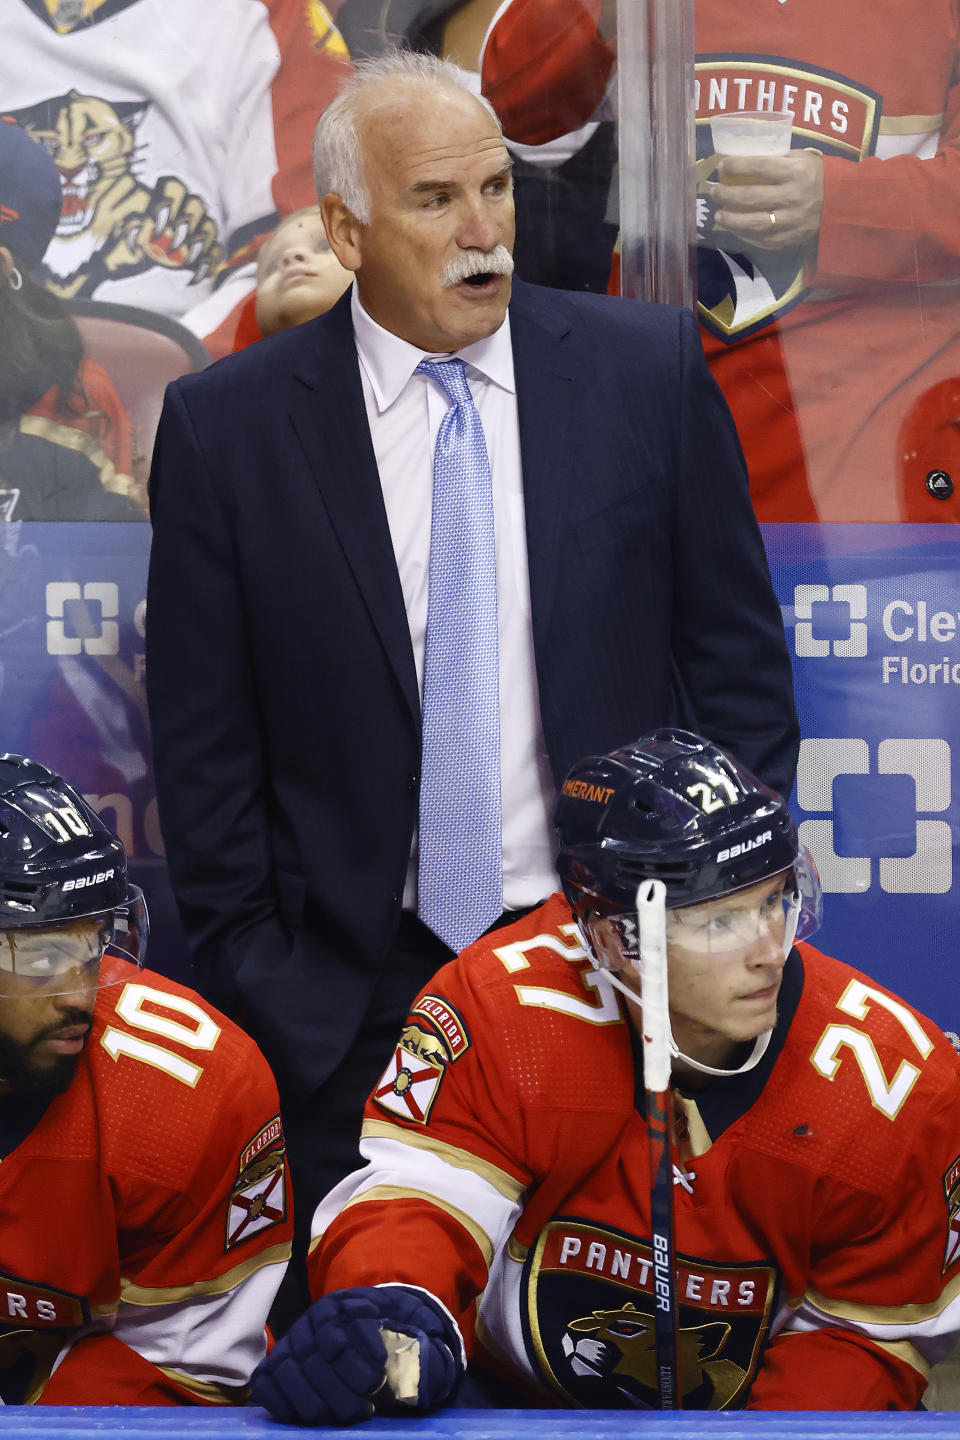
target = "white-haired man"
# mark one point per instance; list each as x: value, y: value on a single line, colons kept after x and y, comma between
x: 383, y: 624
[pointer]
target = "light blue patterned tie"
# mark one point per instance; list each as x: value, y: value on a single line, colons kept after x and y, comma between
x: 460, y: 868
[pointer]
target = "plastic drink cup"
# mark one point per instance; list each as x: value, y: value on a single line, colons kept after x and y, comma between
x: 752, y: 132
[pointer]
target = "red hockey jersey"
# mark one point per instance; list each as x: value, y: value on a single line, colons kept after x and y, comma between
x: 832, y: 363
x: 144, y: 1216
x: 817, y: 1196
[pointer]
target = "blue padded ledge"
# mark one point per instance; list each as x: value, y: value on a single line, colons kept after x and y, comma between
x: 25, y: 1422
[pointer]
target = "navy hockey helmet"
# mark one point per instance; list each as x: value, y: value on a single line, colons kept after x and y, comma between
x: 59, y: 863
x: 676, y: 808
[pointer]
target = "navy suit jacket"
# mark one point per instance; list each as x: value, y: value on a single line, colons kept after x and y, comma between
x: 281, y: 680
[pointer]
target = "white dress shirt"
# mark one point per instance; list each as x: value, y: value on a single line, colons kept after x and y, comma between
x: 404, y: 410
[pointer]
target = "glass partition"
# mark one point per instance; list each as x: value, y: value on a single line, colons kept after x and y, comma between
x: 146, y: 151
x: 830, y: 310
x: 824, y: 232
x: 823, y: 268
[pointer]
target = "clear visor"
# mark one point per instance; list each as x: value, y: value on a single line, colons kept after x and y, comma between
x: 75, y: 955
x: 778, y: 910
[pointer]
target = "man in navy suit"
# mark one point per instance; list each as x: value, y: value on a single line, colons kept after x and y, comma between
x: 291, y: 503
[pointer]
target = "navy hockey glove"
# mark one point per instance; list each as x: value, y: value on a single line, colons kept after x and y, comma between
x: 332, y: 1360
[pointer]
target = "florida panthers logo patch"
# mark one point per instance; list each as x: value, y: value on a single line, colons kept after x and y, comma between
x: 117, y: 220
x: 743, y: 288
x: 589, y: 1321
x: 446, y: 1024
x: 433, y: 1038
x: 258, y: 1198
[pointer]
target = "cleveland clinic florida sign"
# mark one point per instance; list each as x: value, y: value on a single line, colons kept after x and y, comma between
x: 872, y: 615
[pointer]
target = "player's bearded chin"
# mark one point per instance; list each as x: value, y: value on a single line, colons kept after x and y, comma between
x: 19, y: 1068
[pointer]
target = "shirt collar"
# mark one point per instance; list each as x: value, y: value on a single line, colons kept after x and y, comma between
x: 389, y: 361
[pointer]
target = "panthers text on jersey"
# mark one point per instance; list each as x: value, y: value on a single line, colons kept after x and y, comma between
x: 817, y: 1196
x: 144, y: 1215
x: 180, y: 131
x: 833, y: 360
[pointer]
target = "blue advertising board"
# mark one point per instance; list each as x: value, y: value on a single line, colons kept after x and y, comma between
x: 872, y: 615
x: 72, y: 691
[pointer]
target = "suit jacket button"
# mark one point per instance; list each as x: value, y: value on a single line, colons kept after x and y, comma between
x: 412, y: 781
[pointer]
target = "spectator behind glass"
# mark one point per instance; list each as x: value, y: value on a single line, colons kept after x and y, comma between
x: 298, y: 277
x: 181, y: 133
x: 561, y: 182
x: 65, y: 439
x: 827, y: 277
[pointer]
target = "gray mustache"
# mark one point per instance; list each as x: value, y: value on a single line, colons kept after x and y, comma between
x: 497, y: 261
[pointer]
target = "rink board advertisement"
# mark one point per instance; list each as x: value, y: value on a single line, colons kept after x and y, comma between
x: 72, y: 691
x: 872, y: 616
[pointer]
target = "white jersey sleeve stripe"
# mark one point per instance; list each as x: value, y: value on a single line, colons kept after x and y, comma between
x: 205, y: 1343
x: 898, y: 1316
x: 452, y: 1154
x: 396, y: 1166
x: 133, y: 1294
x: 929, y: 1329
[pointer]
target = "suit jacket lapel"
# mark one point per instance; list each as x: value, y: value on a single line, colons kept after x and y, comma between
x: 329, y: 415
x: 545, y: 371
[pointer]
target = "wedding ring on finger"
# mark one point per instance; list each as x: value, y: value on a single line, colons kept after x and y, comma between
x: 773, y: 218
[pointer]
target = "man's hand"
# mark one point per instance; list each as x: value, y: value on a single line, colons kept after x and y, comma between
x: 332, y: 1362
x: 749, y: 190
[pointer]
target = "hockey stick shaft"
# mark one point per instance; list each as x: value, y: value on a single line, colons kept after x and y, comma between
x: 659, y: 1117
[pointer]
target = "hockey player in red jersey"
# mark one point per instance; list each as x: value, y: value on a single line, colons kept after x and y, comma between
x: 143, y: 1222
x: 504, y: 1209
